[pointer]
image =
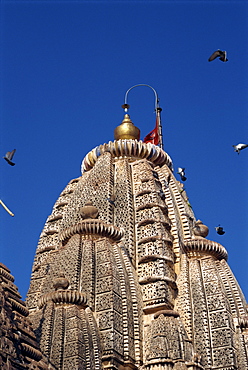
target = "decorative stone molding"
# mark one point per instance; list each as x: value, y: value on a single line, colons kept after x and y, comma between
x: 154, y: 257
x: 60, y: 282
x: 166, y: 313
x: 200, y: 246
x: 5, y: 272
x: 64, y: 296
x: 19, y: 306
x: 200, y: 229
x: 18, y: 345
x: 243, y: 322
x: 31, y: 352
x: 132, y: 149
x: 152, y: 279
x: 89, y: 211
x: 92, y: 227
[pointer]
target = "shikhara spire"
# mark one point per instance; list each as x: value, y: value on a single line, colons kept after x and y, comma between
x: 124, y: 277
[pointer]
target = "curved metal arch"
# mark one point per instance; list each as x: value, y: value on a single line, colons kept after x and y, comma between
x: 155, y: 93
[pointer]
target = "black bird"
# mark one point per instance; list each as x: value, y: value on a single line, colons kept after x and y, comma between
x: 188, y: 216
x: 181, y: 172
x: 8, y: 157
x: 218, y: 54
x: 166, y: 182
x: 219, y: 230
x: 239, y: 147
x: 166, y: 185
x: 111, y: 201
x: 155, y: 174
x: 161, y: 194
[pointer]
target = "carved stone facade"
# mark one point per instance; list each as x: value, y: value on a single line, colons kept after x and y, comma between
x: 18, y: 345
x: 124, y: 277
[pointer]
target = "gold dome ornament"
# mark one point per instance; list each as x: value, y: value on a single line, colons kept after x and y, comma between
x: 126, y: 130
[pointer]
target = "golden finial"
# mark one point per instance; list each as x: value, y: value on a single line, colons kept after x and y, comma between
x: 127, y: 130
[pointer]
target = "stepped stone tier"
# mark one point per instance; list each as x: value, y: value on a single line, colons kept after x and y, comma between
x: 124, y: 277
x: 19, y: 348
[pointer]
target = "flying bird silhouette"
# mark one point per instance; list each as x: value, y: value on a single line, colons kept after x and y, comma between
x: 188, y: 216
x: 6, y: 208
x: 161, y: 194
x: 8, y: 157
x: 111, y: 201
x: 181, y: 172
x: 239, y: 147
x: 219, y: 230
x: 218, y: 54
x: 155, y: 174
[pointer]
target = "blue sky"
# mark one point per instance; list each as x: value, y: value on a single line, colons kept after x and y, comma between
x: 65, y: 68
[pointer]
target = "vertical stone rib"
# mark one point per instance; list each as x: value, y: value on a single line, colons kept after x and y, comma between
x: 44, y: 328
x: 123, y: 210
x: 96, y: 350
x: 108, y: 300
x: 137, y: 308
x: 178, y: 205
x: 183, y: 302
x: 127, y: 309
x: 233, y: 291
x: 201, y: 337
x: 153, y: 238
x: 57, y: 345
x: 87, y: 273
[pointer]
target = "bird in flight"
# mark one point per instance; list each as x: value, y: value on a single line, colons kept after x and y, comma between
x: 8, y: 157
x: 166, y: 182
x: 161, y: 194
x: 219, y: 230
x: 111, y: 200
x: 6, y: 208
x: 239, y: 147
x: 181, y: 172
x: 218, y: 54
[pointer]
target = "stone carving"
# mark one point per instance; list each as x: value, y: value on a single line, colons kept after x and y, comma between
x: 19, y: 348
x: 89, y: 211
x: 200, y: 230
x: 130, y: 284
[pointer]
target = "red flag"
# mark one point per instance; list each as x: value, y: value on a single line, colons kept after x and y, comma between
x: 153, y: 136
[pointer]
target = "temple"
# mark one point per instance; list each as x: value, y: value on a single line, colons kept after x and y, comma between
x: 124, y: 277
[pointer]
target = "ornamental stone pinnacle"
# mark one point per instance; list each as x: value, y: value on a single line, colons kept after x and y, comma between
x: 200, y: 229
x: 129, y: 283
x: 89, y: 211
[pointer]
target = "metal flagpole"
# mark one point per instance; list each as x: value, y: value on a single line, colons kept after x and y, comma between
x: 158, y: 111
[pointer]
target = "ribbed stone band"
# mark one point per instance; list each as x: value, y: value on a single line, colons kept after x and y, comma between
x: 92, y: 227
x: 243, y: 322
x: 31, y: 351
x: 19, y: 306
x: 132, y: 149
x: 194, y: 247
x: 166, y: 313
x: 64, y: 296
x: 4, y: 271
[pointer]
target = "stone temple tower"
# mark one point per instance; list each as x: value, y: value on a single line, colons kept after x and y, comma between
x: 124, y: 277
